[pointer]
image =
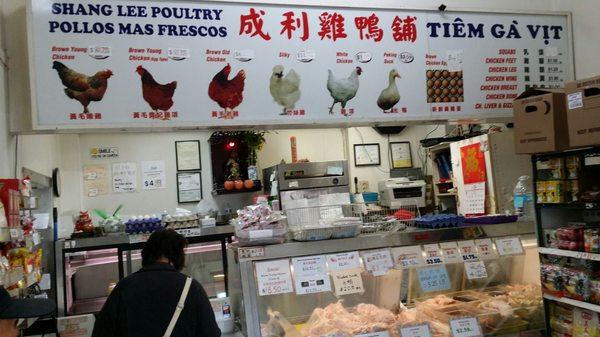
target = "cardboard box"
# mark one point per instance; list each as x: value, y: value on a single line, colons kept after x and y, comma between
x: 540, y: 121
x: 583, y: 102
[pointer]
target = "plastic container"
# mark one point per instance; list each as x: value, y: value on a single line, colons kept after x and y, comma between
x: 523, y: 198
x: 312, y: 234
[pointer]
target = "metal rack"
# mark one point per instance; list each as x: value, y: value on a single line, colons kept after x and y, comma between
x: 124, y: 245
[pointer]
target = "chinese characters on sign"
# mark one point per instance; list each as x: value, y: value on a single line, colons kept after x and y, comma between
x: 274, y: 277
x: 310, y: 275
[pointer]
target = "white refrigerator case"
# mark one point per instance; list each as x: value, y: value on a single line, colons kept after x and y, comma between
x: 503, y: 168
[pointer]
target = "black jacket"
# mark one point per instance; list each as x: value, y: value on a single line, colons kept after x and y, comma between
x: 143, y: 304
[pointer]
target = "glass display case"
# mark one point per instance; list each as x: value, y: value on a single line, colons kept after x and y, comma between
x: 483, y: 277
x: 89, y: 268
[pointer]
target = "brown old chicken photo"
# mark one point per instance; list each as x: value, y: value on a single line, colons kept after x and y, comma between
x: 228, y: 93
x: 83, y: 88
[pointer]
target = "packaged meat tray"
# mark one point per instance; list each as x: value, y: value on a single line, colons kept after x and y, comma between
x: 259, y: 225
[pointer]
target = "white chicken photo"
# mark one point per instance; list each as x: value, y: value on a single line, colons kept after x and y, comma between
x: 343, y: 90
x: 390, y: 95
x: 285, y: 89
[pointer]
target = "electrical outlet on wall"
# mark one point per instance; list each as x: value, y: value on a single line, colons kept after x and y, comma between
x: 363, y: 186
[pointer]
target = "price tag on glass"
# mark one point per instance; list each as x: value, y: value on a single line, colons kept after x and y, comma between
x: 468, y: 250
x: 509, y: 246
x: 434, y: 279
x: 346, y: 282
x: 343, y: 261
x: 465, y: 327
x: 407, y: 257
x: 433, y: 255
x: 485, y: 249
x: 450, y: 252
x: 418, y: 330
x: 475, y: 270
x: 378, y: 262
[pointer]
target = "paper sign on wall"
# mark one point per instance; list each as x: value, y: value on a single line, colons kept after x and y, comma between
x: 153, y: 175
x: 509, y: 246
x: 347, y: 282
x: 104, y: 152
x: 485, y: 249
x: 310, y: 275
x: 468, y: 250
x: 465, y: 327
x: 434, y: 279
x: 432, y: 254
x: 95, y: 180
x: 417, y: 330
x: 450, y: 252
x: 75, y: 326
x: 407, y: 257
x: 378, y: 262
x: 274, y: 277
x: 475, y: 270
x: 343, y: 261
x: 124, y: 177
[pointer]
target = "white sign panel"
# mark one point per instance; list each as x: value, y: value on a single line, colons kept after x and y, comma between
x: 153, y: 175
x: 468, y: 250
x: 485, y: 249
x: 274, y: 277
x: 475, y: 270
x: 465, y: 327
x: 378, y: 262
x: 417, y: 330
x: 450, y: 252
x: 343, y: 261
x: 172, y: 63
x: 509, y: 246
x: 432, y: 254
x: 310, y: 275
x: 407, y: 257
x: 124, y: 177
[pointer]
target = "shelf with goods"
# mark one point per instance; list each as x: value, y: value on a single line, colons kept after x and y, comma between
x: 567, y: 211
x: 442, y: 176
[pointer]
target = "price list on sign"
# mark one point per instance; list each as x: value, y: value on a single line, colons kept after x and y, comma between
x: 432, y: 254
x: 475, y: 270
x: 343, y: 261
x: 465, y: 327
x: 417, y: 330
x: 378, y: 262
x: 434, y: 279
x: 346, y: 282
x: 407, y: 257
x: 468, y: 250
x: 310, y: 275
x: 274, y: 277
x: 450, y: 252
x: 509, y: 246
x: 485, y: 249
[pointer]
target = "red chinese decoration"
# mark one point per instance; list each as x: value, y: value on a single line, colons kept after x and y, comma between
x: 404, y: 29
x: 332, y: 26
x: 370, y: 24
x: 473, y: 164
x: 290, y: 24
x: 252, y: 24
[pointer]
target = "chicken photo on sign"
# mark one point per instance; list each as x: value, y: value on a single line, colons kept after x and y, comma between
x: 228, y: 93
x: 158, y: 96
x: 83, y: 88
x: 285, y: 89
x: 342, y: 90
x: 390, y: 95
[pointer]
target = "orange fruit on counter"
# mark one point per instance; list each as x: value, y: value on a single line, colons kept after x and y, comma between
x: 239, y: 185
x: 248, y: 184
x: 229, y: 185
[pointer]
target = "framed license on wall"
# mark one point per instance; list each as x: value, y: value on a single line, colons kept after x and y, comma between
x: 367, y: 155
x: 189, y: 187
x: 187, y: 155
x: 401, y: 155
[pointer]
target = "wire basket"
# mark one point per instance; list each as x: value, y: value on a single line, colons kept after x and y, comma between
x: 323, y: 222
x: 382, y: 219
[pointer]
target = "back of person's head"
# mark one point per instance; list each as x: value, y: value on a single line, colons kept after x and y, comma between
x: 165, y: 243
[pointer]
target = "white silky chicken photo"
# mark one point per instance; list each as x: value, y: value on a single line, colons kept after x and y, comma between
x: 285, y: 90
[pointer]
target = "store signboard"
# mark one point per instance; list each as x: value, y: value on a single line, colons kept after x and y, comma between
x: 115, y: 64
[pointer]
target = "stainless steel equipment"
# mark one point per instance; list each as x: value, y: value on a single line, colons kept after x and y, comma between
x: 306, y: 180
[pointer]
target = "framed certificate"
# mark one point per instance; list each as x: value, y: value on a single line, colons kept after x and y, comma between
x: 367, y: 155
x: 401, y: 155
x: 187, y: 155
x: 189, y: 187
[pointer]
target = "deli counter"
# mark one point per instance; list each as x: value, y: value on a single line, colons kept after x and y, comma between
x: 481, y: 278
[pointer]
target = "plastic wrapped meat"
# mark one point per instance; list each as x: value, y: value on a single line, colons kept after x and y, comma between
x: 371, y: 313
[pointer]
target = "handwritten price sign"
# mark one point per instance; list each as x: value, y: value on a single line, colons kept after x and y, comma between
x: 407, y: 257
x: 468, y: 250
x: 347, y: 282
x: 509, y: 246
x: 432, y: 254
x: 465, y: 327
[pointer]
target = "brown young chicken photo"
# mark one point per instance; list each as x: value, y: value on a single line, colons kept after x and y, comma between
x: 158, y: 96
x: 83, y: 88
x: 227, y: 93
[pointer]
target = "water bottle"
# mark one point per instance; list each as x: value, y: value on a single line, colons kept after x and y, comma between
x: 523, y: 198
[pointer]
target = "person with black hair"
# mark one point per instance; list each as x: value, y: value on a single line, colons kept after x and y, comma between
x: 158, y: 300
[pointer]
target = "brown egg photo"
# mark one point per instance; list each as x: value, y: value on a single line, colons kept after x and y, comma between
x: 446, y: 99
x: 429, y: 73
x: 430, y: 100
x: 453, y: 99
x: 460, y: 98
x: 430, y: 92
x: 445, y: 83
x: 453, y: 91
x: 437, y: 73
x: 452, y: 82
x: 429, y: 83
x: 438, y: 99
x: 438, y: 91
x: 459, y: 74
x: 445, y: 73
x: 437, y: 83
x: 460, y: 83
x: 446, y: 91
x: 460, y: 91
